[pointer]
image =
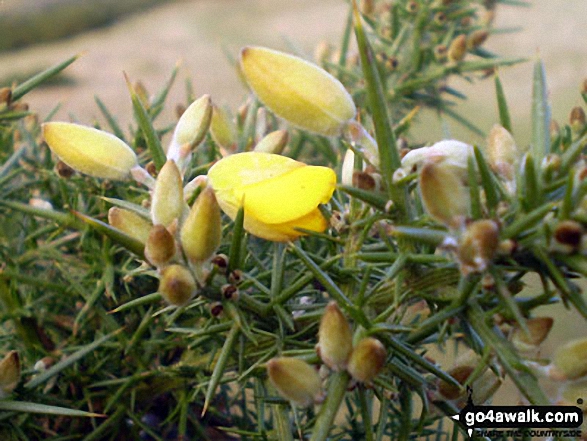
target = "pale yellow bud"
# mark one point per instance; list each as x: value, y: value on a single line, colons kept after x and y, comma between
x: 222, y: 128
x: 335, y: 338
x: 130, y: 223
x: 457, y: 48
x: 177, y: 285
x: 478, y: 245
x: 452, y: 153
x: 444, y: 196
x: 367, y: 360
x: 295, y: 380
x: 160, y: 246
x: 167, y: 203
x: 298, y: 91
x: 273, y: 142
x: 348, y: 168
x: 9, y: 373
x: 191, y: 128
x: 90, y: 151
x: 571, y: 359
x: 201, y: 232
x: 502, y: 152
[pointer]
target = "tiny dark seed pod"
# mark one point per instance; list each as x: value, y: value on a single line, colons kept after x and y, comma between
x: 221, y: 263
x: 216, y: 309
x: 235, y: 277
x: 63, y: 170
x: 229, y: 292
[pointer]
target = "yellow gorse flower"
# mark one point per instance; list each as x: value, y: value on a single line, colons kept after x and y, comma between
x: 278, y: 193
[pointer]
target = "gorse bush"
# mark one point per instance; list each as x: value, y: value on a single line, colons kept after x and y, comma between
x: 283, y: 274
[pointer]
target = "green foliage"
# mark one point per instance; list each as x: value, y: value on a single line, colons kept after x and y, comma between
x: 100, y: 348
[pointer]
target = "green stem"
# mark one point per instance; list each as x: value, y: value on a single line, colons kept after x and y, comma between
x: 282, y: 423
x: 336, y: 391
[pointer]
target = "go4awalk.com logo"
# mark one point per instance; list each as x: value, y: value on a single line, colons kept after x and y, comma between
x: 520, y: 420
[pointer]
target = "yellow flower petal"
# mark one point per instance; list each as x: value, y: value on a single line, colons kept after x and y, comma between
x: 300, y: 92
x: 90, y: 151
x: 279, y: 193
x: 285, y: 197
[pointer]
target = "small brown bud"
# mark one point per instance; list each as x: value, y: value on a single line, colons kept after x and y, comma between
x: 451, y: 391
x: 538, y: 329
x: 364, y: 180
x: 335, y: 338
x: 570, y: 359
x: 229, y: 292
x: 177, y: 285
x: 457, y: 48
x: 5, y: 96
x: 478, y: 245
x: 235, y: 277
x: 9, y: 373
x: 567, y: 236
x: 367, y: 7
x: 221, y: 262
x: 216, y: 309
x: 577, y: 119
x: 440, y: 18
x: 367, y: 360
x: 63, y: 170
x: 295, y: 380
x: 160, y: 246
x: 179, y: 110
x: 151, y: 168
x: 476, y: 39
x: 412, y: 7
x: 440, y: 52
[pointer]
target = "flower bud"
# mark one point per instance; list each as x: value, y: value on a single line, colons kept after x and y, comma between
x: 451, y: 391
x: 367, y: 360
x: 476, y: 39
x: 348, y: 168
x: 201, y: 232
x: 177, y: 285
x: 191, y: 128
x: 167, y: 203
x: 503, y: 155
x: 295, y: 380
x: 5, y: 97
x: 443, y: 194
x: 273, y: 142
x: 567, y: 236
x: 160, y: 246
x: 538, y: 329
x: 222, y: 128
x: 9, y: 373
x: 90, y: 151
x: 570, y: 359
x: 577, y: 119
x: 335, y: 339
x: 130, y: 223
x: 300, y: 92
x: 478, y: 245
x: 457, y: 48
x: 363, y: 141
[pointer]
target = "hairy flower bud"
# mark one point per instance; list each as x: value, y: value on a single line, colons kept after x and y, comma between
x: 457, y: 48
x: 443, y: 194
x: 570, y: 359
x: 335, y: 339
x: 273, y: 142
x: 160, y: 246
x: 298, y: 91
x: 502, y: 152
x: 295, y: 380
x: 191, y: 128
x: 177, y: 285
x: 367, y: 360
x: 222, y: 128
x: 90, y: 151
x: 167, y: 203
x: 130, y: 223
x: 201, y: 232
x: 478, y: 245
x: 9, y: 373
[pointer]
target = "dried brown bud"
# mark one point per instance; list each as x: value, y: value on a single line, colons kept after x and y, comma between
x: 5, y: 96
x: 229, y: 292
x: 538, y: 329
x: 367, y: 7
x: 63, y: 170
x: 367, y: 360
x: 567, y: 236
x: 235, y: 277
x: 440, y: 18
x: 221, y: 262
x: 451, y: 391
x: 476, y: 39
x: 412, y: 7
x: 216, y: 309
x: 365, y: 181
x: 440, y: 52
x: 577, y: 119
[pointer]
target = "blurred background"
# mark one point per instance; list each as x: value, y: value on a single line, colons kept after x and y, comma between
x: 146, y: 38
